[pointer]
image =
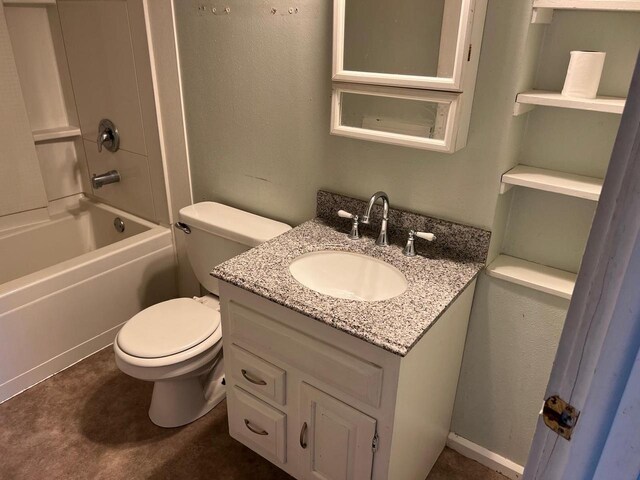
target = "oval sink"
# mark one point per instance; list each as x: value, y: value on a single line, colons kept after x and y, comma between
x: 348, y: 275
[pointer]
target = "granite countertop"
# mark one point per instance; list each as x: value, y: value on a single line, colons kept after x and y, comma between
x: 435, y: 277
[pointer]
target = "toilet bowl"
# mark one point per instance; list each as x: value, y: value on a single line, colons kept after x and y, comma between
x: 177, y: 344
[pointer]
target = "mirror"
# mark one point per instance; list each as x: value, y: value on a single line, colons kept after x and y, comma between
x: 413, y: 43
x: 412, y: 118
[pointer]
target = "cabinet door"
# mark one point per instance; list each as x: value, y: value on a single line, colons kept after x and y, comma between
x: 336, y: 439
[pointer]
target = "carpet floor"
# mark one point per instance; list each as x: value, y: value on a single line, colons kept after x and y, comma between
x: 90, y: 422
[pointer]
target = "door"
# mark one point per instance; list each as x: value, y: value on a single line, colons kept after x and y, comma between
x: 336, y: 439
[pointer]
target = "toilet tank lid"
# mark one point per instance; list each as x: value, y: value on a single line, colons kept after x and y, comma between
x: 228, y: 222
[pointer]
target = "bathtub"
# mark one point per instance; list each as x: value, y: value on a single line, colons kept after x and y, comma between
x: 69, y: 283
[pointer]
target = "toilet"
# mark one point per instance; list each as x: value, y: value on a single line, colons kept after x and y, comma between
x: 177, y: 344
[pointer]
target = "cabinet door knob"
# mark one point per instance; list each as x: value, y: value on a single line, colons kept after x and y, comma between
x: 303, y: 435
x: 252, y: 379
x: 255, y: 430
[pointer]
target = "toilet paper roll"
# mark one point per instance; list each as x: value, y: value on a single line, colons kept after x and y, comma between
x: 583, y: 74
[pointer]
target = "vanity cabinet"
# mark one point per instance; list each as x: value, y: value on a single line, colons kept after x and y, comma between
x: 321, y: 403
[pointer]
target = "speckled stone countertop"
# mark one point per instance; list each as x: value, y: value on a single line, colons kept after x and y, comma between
x: 435, y: 277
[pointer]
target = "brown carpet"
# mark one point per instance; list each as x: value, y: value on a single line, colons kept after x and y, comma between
x: 90, y: 422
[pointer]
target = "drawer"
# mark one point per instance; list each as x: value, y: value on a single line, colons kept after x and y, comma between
x: 352, y: 375
x: 255, y: 374
x: 256, y: 424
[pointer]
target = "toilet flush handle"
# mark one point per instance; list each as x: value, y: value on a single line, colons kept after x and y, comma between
x: 182, y: 226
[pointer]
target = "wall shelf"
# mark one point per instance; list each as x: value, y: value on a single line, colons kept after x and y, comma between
x: 579, y: 186
x: 533, y: 275
x: 527, y: 101
x: 29, y: 2
x: 610, y: 5
x: 58, y: 133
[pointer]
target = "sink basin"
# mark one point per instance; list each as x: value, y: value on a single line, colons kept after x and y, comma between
x: 348, y: 275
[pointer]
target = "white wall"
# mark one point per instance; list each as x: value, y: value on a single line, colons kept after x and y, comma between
x: 21, y: 185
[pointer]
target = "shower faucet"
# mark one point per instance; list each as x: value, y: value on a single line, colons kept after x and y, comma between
x: 108, y: 136
x: 382, y: 240
x: 99, y: 181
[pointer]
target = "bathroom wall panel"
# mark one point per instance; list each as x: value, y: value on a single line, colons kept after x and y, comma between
x: 511, y: 343
x: 612, y: 32
x: 258, y: 130
x: 63, y: 172
x: 258, y: 139
x: 33, y: 47
x: 569, y: 140
x: 106, y: 42
x: 548, y: 228
x: 133, y: 193
x: 21, y: 185
x: 100, y: 52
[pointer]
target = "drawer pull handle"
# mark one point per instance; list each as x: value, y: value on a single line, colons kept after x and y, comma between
x: 254, y: 429
x: 252, y: 379
x: 303, y: 435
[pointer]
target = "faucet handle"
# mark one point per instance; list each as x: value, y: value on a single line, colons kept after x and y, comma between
x: 354, y: 234
x: 426, y: 236
x: 409, y: 250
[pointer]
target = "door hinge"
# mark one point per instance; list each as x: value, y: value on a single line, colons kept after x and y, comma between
x: 560, y: 416
x: 469, y: 54
x: 375, y: 442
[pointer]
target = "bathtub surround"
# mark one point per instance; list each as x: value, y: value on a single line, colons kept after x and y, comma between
x: 435, y: 279
x: 102, y: 37
x: 21, y: 185
x: 77, y: 62
x: 38, y: 48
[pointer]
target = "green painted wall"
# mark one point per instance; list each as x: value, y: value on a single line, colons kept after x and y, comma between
x: 257, y: 90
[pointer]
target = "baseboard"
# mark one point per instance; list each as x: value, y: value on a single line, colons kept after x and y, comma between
x: 485, y: 457
x: 32, y: 377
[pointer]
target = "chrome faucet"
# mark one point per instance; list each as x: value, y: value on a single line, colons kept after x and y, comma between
x: 99, y: 181
x: 382, y: 240
x: 108, y: 136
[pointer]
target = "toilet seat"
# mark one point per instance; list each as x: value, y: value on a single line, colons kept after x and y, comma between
x: 168, y: 333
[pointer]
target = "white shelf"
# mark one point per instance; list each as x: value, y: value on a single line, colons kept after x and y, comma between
x: 29, y: 2
x: 533, y: 275
x: 611, y: 5
x: 58, y: 133
x: 569, y: 184
x: 526, y: 101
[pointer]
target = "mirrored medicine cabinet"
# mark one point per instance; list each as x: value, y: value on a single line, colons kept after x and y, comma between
x: 404, y: 71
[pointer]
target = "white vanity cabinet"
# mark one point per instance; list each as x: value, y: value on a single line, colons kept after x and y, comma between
x: 323, y: 404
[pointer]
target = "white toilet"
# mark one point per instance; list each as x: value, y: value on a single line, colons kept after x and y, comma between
x: 178, y: 343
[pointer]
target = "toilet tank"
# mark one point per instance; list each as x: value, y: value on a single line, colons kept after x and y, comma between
x: 220, y: 232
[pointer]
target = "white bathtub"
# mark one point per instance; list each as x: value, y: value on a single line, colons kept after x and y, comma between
x: 67, y: 284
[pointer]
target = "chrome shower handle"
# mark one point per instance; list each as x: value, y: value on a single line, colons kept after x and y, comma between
x: 108, y: 136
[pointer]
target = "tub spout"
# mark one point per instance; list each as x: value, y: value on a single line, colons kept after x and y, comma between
x: 99, y: 181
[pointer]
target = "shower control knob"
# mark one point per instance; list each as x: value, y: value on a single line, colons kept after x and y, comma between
x: 108, y: 136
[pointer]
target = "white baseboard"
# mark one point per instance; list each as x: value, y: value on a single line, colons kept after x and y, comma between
x: 28, y: 379
x: 485, y: 457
